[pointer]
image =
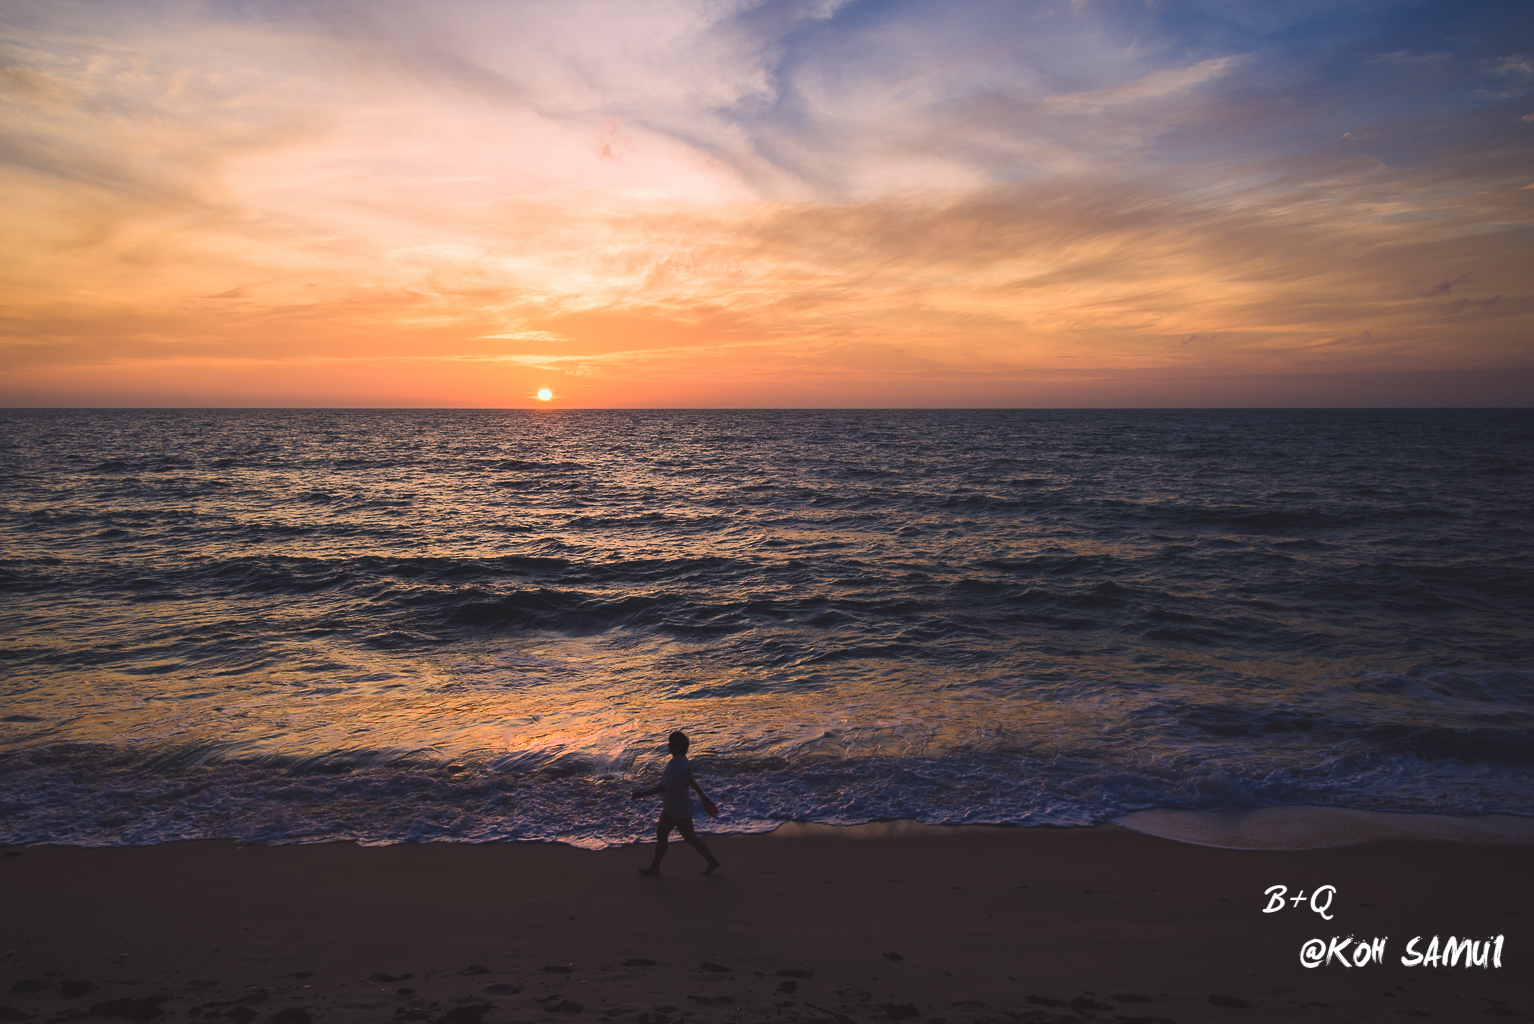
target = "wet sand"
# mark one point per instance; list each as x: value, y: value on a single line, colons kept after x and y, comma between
x: 873, y: 924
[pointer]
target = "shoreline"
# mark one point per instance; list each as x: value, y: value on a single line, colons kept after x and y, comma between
x: 1289, y: 827
x: 991, y: 924
x: 1311, y: 827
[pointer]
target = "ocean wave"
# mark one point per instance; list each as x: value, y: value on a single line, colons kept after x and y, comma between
x: 1022, y: 617
x: 105, y: 798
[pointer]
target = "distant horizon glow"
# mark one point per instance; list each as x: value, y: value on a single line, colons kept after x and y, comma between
x: 828, y: 204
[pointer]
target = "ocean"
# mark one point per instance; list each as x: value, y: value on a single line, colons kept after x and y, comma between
x: 296, y: 626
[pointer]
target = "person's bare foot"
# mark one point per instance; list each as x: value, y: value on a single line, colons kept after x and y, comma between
x: 713, y: 865
x: 651, y: 870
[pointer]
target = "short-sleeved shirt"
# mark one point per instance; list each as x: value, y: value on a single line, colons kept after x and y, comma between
x: 677, y: 801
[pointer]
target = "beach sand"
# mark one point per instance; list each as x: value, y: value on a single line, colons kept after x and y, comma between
x: 893, y: 922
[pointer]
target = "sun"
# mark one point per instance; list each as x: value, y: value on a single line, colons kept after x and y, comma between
x: 544, y: 394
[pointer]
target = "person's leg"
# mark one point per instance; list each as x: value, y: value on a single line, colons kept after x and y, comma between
x: 662, y: 836
x: 691, y: 837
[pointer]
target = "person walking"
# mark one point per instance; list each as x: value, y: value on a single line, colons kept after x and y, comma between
x: 677, y: 808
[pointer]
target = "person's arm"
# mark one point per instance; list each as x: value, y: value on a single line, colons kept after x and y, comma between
x: 708, y: 805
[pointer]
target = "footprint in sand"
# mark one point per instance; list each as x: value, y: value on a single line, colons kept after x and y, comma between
x: 558, y: 1004
x: 292, y: 1015
x: 1085, y: 1003
x: 146, y: 1008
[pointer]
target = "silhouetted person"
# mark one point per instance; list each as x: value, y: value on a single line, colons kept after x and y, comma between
x: 676, y: 809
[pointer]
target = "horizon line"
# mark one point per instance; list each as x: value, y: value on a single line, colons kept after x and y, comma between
x: 766, y: 408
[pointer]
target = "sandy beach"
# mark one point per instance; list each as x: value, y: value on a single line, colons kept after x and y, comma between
x: 887, y: 922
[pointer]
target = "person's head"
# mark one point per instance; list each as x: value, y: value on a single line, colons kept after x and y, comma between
x: 678, y: 743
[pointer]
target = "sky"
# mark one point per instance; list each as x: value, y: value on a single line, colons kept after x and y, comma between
x: 1080, y: 203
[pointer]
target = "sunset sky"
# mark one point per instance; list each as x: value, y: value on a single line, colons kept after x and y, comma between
x: 673, y: 204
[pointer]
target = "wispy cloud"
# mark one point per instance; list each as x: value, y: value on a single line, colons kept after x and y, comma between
x: 1156, y: 85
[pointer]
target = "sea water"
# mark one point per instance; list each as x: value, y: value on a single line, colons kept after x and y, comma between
x: 385, y: 626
